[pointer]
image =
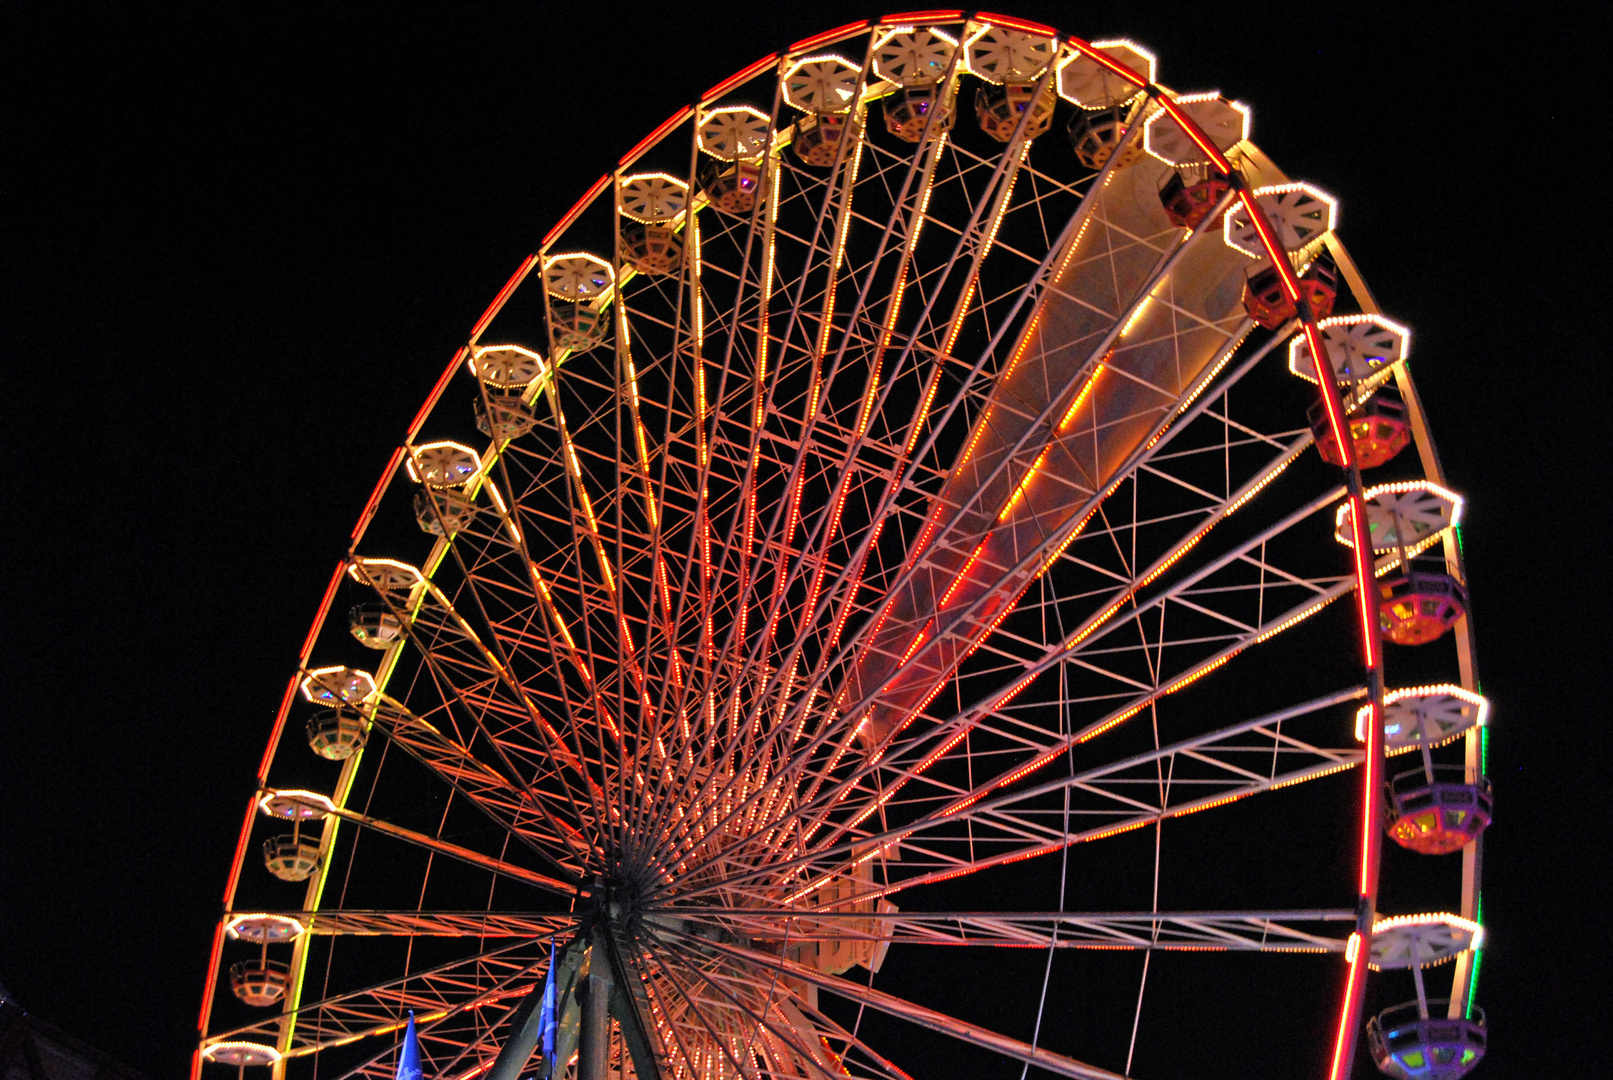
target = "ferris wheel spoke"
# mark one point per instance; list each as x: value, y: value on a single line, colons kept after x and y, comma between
x: 1031, y: 820
x: 792, y: 1018
x: 911, y: 657
x: 591, y: 698
x: 707, y: 1014
x: 455, y: 851
x: 1043, y: 274
x: 897, y: 242
x: 453, y: 1034
x: 927, y: 1018
x: 978, y: 548
x: 354, y: 922
x: 1195, y: 931
x: 917, y: 754
x: 789, y: 663
x: 540, y: 596
x: 763, y: 1011
x: 899, y: 234
x: 753, y: 277
x: 492, y: 693
x: 1079, y: 649
x: 375, y: 1010
x: 972, y: 244
x: 510, y: 806
x: 874, y: 1064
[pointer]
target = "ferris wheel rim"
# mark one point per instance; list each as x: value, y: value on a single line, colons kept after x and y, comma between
x: 1309, y: 332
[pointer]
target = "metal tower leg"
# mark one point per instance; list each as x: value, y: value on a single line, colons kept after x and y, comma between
x: 593, y: 1051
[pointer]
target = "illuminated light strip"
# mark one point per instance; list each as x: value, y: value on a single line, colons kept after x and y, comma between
x: 1313, y: 775
x: 392, y: 463
x: 1252, y: 492
x: 308, y: 642
x: 1199, y: 672
x: 924, y: 409
x: 1112, y: 721
x: 765, y: 322
x: 1102, y: 618
x: 998, y: 215
x: 1364, y: 578
x: 498, y: 301
x: 1080, y: 399
x: 1015, y: 24
x: 1290, y: 621
x: 644, y: 144
x: 273, y: 1054
x: 962, y: 574
x: 1363, y: 387
x: 1451, y: 689
x: 1019, y: 491
x: 828, y: 36
x: 1064, y: 545
x: 1142, y: 307
x: 1434, y: 918
x: 866, y: 414
x: 1419, y: 485
x: 1170, y: 561
x: 963, y: 310
x: 1355, y: 984
x: 1442, y: 688
x: 1192, y: 131
x: 575, y: 211
x: 738, y: 77
x: 1457, y: 504
x: 842, y: 231
x: 207, y: 993
x: 905, y: 17
x: 1090, y: 51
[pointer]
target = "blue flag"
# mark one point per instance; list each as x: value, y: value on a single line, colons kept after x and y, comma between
x: 547, y: 1020
x: 409, y: 1056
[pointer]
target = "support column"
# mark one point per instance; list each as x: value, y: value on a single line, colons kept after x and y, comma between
x: 593, y: 1049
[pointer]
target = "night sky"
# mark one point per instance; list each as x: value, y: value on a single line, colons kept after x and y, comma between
x: 240, y: 245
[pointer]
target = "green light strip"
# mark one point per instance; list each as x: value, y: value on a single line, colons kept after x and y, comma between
x: 1478, y: 958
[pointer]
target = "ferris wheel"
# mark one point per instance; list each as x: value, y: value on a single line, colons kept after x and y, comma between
x: 936, y: 563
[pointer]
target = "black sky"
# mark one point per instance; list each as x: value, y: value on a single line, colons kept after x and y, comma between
x: 240, y: 244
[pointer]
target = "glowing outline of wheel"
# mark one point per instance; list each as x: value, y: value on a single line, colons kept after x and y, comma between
x: 1166, y: 106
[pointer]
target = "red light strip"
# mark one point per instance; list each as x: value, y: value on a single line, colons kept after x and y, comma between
x: 807, y: 44
x: 1015, y: 24
x: 302, y: 656
x: 386, y: 479
x: 920, y: 16
x: 207, y: 996
x: 1344, y: 1044
x: 645, y: 143
x: 436, y: 392
x: 1371, y: 802
x: 1107, y: 61
x: 572, y: 214
x: 503, y: 295
x: 740, y: 76
x: 1218, y: 159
